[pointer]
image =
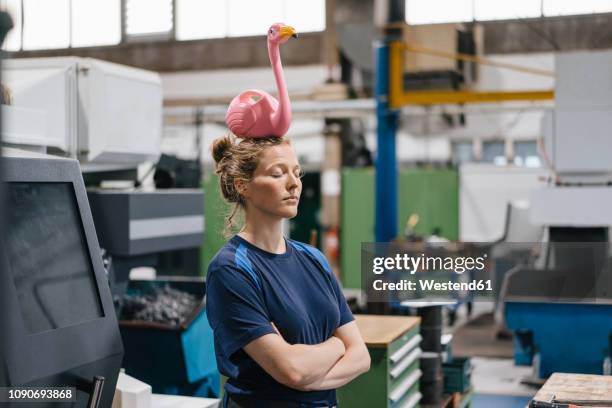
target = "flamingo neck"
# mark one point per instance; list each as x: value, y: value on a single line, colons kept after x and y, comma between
x: 282, y: 116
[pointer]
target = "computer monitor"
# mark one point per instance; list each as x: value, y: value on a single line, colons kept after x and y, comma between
x: 62, y: 329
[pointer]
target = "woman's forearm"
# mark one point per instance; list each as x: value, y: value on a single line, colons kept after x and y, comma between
x: 352, y: 364
x: 313, y: 362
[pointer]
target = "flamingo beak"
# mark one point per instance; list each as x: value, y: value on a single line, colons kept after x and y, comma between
x: 287, y: 31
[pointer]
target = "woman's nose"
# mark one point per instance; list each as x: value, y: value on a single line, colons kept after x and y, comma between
x: 293, y: 182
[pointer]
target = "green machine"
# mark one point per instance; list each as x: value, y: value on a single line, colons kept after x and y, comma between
x: 215, y: 209
x: 432, y: 194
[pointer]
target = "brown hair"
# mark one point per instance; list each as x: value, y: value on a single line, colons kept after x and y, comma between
x: 237, y: 161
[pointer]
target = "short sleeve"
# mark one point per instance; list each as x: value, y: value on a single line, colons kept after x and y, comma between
x: 235, y: 308
x: 345, y: 313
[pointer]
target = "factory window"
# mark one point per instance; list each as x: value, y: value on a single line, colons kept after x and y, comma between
x: 449, y: 11
x: 148, y: 18
x: 438, y: 11
x: 237, y: 18
x: 526, y: 154
x: 200, y: 19
x: 305, y: 16
x: 463, y: 152
x: 493, y: 152
x: 76, y: 23
x: 250, y: 17
x: 569, y: 7
x: 504, y: 10
x: 13, y: 39
x: 86, y: 15
x: 62, y: 23
x: 46, y: 24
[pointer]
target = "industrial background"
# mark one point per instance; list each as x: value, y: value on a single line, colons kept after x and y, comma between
x: 444, y: 126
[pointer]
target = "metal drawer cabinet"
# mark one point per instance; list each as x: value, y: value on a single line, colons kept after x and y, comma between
x: 393, y: 379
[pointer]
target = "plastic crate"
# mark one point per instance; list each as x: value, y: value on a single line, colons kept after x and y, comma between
x: 457, y: 375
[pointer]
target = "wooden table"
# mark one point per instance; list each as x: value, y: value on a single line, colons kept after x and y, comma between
x: 577, y: 387
x: 378, y: 331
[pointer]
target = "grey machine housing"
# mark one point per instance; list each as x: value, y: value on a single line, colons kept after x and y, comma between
x: 74, y: 355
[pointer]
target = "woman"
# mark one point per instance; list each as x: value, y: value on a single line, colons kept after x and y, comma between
x: 284, y: 335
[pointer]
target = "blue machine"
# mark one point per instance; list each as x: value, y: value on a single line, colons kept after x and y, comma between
x: 560, y: 337
x: 561, y: 313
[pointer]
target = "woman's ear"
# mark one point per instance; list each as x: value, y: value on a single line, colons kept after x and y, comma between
x: 241, y: 187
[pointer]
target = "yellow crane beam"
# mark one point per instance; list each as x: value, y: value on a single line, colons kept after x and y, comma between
x: 398, y: 97
x: 478, y: 60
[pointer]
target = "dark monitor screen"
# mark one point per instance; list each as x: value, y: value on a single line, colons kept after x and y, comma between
x: 48, y: 257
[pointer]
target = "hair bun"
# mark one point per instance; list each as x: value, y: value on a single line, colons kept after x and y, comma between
x: 220, y: 148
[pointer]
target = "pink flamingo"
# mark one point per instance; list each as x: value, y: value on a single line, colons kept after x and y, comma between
x: 256, y: 113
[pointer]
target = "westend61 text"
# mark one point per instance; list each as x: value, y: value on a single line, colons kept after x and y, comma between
x: 432, y: 285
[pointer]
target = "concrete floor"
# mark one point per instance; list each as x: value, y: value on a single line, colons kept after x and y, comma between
x: 497, y: 376
x: 496, y: 381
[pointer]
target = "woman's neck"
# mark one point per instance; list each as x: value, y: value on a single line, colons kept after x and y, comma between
x: 264, y: 233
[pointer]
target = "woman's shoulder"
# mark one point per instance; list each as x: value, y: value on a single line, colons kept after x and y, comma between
x: 224, y: 258
x: 232, y: 265
x: 301, y: 246
x: 312, y: 252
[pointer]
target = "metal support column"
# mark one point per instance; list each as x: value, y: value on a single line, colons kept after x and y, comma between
x: 386, y: 161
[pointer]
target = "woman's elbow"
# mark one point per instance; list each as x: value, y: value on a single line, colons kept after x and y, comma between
x: 365, y: 361
x: 293, y: 377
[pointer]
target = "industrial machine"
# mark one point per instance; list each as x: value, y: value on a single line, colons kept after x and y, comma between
x: 61, y: 326
x: 560, y: 310
x: 135, y: 226
x: 108, y: 117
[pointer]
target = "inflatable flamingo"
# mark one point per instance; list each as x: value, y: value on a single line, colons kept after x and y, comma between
x: 256, y: 113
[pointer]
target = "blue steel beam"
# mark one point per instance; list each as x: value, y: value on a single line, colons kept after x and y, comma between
x: 386, y: 161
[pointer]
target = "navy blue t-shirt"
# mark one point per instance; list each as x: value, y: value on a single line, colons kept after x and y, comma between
x: 248, y: 288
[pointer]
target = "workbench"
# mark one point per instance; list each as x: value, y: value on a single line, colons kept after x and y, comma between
x: 577, y: 387
x: 393, y: 379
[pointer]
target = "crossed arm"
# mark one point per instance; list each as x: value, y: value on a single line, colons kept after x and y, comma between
x: 322, y: 366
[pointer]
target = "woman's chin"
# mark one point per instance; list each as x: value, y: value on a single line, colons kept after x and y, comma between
x: 288, y: 212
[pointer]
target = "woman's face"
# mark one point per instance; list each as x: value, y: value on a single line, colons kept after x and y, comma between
x: 276, y: 186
